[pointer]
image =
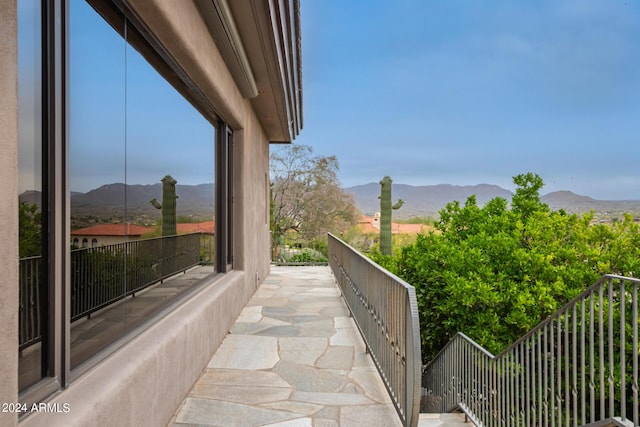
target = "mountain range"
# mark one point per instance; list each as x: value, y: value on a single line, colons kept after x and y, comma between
x: 107, y: 203
x: 428, y: 200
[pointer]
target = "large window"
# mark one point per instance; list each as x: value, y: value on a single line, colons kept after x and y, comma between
x: 33, y: 289
x: 146, y: 174
x: 141, y: 168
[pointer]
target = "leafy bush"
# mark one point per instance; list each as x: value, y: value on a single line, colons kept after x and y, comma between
x: 494, y: 272
x: 308, y: 255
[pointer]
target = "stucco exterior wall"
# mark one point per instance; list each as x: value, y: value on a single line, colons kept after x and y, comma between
x: 144, y: 381
x: 8, y: 209
x: 181, y: 30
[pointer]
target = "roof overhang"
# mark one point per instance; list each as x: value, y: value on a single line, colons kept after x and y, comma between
x: 261, y: 45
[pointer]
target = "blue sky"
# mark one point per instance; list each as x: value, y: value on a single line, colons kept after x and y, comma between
x: 126, y: 123
x: 468, y: 92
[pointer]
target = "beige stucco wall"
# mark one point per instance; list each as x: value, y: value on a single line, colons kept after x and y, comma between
x: 143, y: 382
x: 181, y: 30
x: 8, y: 209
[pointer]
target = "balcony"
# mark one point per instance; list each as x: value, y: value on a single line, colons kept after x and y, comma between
x: 294, y: 355
x: 147, y: 274
x: 340, y: 346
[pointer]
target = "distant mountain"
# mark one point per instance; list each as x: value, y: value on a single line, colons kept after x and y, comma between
x: 31, y: 197
x: 428, y: 200
x: 107, y: 203
x: 190, y: 197
x: 569, y: 200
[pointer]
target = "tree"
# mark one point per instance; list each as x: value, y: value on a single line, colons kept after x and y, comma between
x: 30, y: 234
x: 494, y: 272
x: 306, y: 195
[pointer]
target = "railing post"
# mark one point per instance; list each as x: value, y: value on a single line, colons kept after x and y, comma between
x: 544, y: 377
x: 385, y: 311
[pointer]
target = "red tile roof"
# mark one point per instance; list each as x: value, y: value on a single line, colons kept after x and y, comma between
x: 139, y: 230
x: 197, y: 227
x: 113, y: 230
x: 406, y: 228
x: 366, y: 224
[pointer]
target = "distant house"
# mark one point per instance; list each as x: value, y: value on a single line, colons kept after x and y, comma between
x: 108, y: 234
x: 371, y: 224
x: 206, y: 227
x: 111, y: 234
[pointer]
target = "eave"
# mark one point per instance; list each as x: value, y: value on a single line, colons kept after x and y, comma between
x: 261, y: 45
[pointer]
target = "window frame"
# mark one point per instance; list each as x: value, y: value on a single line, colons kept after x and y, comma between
x: 56, y: 302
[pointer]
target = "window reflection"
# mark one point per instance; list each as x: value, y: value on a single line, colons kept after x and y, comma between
x: 32, y: 283
x: 141, y: 175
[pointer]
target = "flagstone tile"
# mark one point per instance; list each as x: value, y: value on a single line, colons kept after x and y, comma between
x: 336, y: 357
x: 302, y: 350
x: 238, y: 352
x: 293, y: 358
x: 346, y: 337
x: 280, y: 331
x: 250, y: 314
x: 344, y: 322
x: 299, y: 422
x: 248, y: 328
x: 317, y: 328
x: 371, y: 383
x: 334, y: 399
x: 220, y: 413
x: 370, y: 416
x: 242, y: 377
x: 250, y: 395
x: 306, y: 378
x: 297, y: 407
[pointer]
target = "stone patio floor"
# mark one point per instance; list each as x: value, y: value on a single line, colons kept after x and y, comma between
x: 293, y: 358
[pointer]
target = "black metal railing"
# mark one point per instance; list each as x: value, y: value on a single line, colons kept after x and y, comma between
x: 29, y: 308
x: 578, y: 367
x: 103, y: 275
x: 385, y: 310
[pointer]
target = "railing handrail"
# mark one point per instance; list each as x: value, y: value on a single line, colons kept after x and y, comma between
x: 86, y: 298
x: 540, y: 325
x: 385, y: 310
x: 567, y: 306
x: 562, y: 335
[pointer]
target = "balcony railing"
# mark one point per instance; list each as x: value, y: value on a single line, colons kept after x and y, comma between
x: 103, y: 275
x: 385, y: 309
x: 29, y: 314
x: 578, y: 367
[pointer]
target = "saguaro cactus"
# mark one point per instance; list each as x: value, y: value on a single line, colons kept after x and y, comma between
x: 385, y: 214
x: 168, y: 206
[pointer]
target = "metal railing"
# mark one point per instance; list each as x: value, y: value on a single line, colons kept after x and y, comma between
x: 385, y: 309
x: 103, y: 275
x: 578, y: 367
x: 29, y: 306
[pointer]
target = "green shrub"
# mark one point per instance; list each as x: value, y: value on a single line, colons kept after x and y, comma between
x: 308, y: 255
x: 494, y: 272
